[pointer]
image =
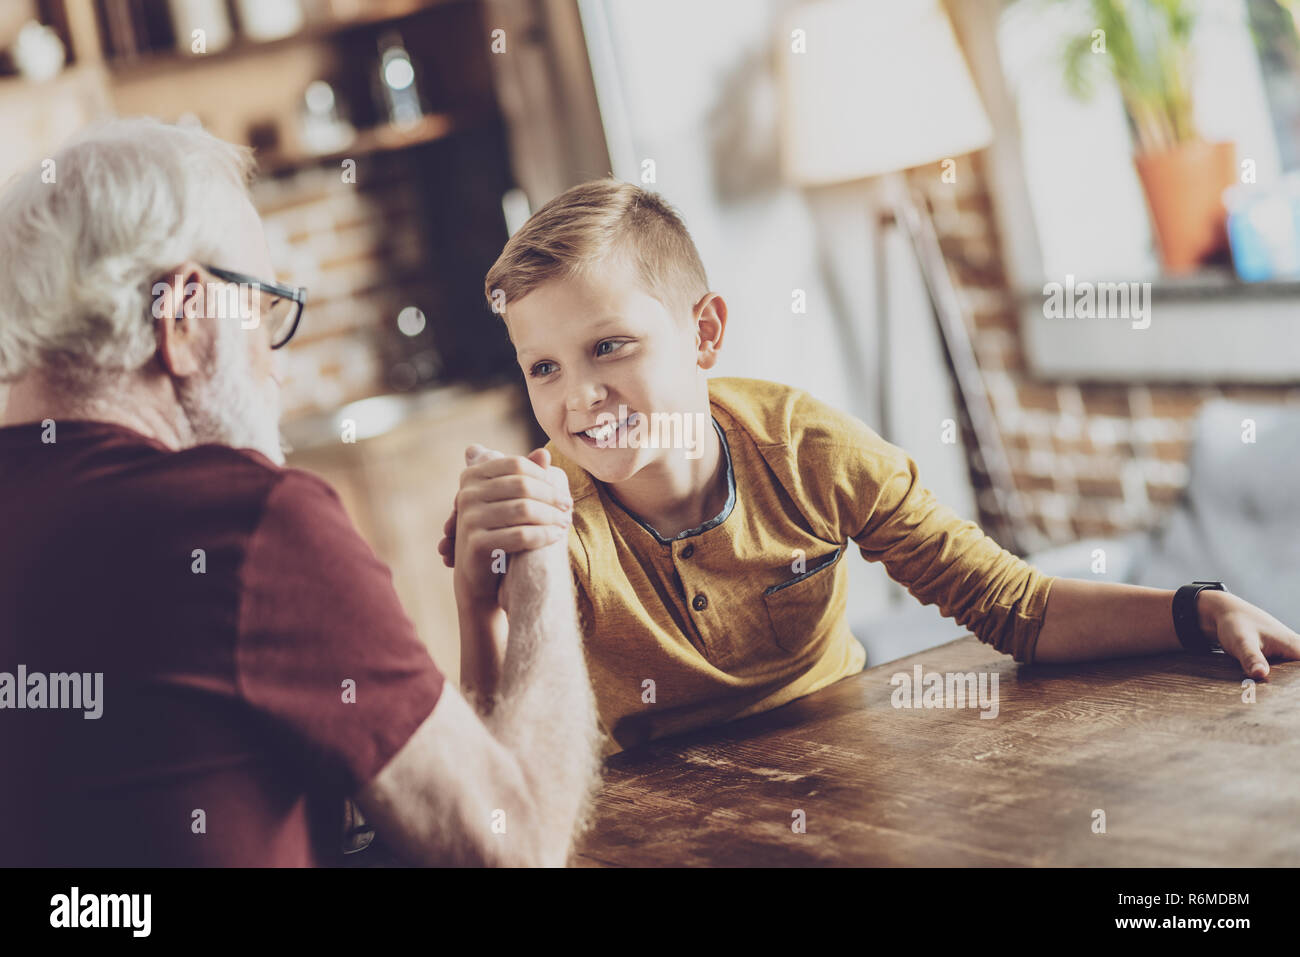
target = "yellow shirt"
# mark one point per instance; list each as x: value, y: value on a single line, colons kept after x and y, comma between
x: 747, y: 611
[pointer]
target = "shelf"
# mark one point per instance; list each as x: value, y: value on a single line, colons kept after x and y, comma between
x: 1207, y: 283
x: 381, y: 139
x: 167, y: 61
x: 1204, y: 333
x: 72, y: 75
x: 1221, y: 282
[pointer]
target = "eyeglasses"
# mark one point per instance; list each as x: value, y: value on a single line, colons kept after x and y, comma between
x: 286, y: 312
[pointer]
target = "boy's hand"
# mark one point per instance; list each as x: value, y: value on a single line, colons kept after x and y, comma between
x: 1249, y: 634
x: 507, y: 502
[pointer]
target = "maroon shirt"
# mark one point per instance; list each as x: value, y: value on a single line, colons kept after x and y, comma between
x: 222, y: 691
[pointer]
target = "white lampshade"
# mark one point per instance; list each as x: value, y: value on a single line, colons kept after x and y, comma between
x: 881, y: 86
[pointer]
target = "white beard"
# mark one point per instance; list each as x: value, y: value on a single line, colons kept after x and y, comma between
x: 226, y: 407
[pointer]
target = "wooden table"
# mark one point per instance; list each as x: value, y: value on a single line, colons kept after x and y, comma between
x: 1185, y: 772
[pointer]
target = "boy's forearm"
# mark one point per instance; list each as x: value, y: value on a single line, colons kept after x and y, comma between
x: 1087, y: 620
x: 483, y: 633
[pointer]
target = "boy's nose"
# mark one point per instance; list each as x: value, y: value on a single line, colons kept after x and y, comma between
x: 586, y: 396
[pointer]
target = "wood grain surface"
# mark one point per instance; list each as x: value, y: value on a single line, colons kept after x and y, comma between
x: 1186, y: 772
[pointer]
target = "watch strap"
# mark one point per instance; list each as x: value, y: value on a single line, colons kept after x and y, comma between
x: 1187, y: 623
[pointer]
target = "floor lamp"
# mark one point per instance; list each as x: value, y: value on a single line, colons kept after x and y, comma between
x: 870, y: 88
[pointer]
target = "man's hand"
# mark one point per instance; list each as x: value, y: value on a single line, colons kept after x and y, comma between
x: 508, y: 503
x: 1249, y: 634
x: 533, y: 753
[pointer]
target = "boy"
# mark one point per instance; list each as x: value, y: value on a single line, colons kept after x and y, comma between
x: 708, y: 559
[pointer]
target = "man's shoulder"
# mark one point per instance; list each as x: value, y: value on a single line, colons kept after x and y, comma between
x: 229, y: 491
x: 228, y: 471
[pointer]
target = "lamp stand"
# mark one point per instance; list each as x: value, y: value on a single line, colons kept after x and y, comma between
x: 989, y: 455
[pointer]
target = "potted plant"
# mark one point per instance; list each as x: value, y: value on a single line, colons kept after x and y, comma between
x: 1146, y: 44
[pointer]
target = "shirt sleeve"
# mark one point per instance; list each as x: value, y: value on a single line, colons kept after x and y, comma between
x: 326, y: 654
x: 869, y: 490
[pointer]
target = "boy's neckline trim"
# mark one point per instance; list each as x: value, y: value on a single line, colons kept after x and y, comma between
x: 711, y: 523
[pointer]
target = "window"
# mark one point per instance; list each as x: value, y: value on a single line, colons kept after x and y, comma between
x: 1088, y: 206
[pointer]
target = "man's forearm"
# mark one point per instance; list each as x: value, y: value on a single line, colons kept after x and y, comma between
x: 544, y: 709
x: 1087, y: 620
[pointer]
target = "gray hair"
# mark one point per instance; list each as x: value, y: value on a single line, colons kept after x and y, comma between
x: 130, y: 200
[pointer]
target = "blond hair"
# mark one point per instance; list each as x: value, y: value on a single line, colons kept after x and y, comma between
x: 589, y: 225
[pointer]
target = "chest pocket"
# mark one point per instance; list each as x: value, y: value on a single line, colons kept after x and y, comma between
x: 802, y: 608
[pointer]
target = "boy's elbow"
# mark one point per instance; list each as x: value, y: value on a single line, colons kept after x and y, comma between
x: 1006, y: 637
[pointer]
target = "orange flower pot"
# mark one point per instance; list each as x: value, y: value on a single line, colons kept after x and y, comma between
x: 1184, y: 189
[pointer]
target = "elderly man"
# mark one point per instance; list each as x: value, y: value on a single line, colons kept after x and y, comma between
x: 200, y: 659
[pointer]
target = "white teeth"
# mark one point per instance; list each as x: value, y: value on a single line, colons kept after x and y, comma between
x: 602, y: 433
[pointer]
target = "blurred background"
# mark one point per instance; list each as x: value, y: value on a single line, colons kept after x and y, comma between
x: 888, y: 195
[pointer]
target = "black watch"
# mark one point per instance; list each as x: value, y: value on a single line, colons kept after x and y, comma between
x: 1187, y: 623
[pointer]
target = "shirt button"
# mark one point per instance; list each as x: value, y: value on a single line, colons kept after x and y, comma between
x: 688, y: 551
x: 699, y: 603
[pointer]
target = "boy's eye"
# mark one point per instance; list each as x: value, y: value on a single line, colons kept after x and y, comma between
x: 542, y: 368
x: 612, y: 343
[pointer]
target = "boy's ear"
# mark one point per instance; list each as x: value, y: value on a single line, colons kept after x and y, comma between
x: 710, y: 325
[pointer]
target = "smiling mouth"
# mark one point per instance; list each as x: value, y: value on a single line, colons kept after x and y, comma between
x: 601, y: 435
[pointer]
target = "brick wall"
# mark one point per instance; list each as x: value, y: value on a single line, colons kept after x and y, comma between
x: 1088, y: 458
x: 358, y: 249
